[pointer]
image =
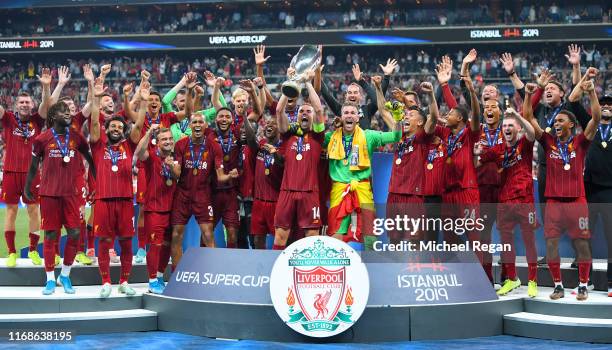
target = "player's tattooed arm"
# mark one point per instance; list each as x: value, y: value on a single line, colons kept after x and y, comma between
x: 530, y: 89
x: 129, y: 112
x: 141, y: 153
x: 90, y: 78
x: 434, y: 113
x: 250, y: 88
x: 314, y: 98
x: 380, y: 103
x: 474, y: 104
x: 527, y: 127
x: 216, y: 90
x: 281, y: 116
x: 45, y: 81
x: 31, y: 173
x: 591, y: 129
x: 98, y: 91
x: 251, y: 137
x: 261, y: 95
x: 578, y: 90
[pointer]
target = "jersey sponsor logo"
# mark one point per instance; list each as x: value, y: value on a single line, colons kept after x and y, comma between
x: 319, y: 286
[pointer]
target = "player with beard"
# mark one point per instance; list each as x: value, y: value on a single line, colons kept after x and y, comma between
x: 298, y: 200
x: 195, y: 155
x: 56, y: 148
x: 598, y: 178
x: 268, y: 176
x: 164, y: 120
x: 162, y: 173
x: 461, y: 196
x: 514, y: 159
x: 407, y: 173
x: 354, y: 94
x: 176, y: 97
x: 20, y: 128
x: 566, y: 206
x: 113, y: 217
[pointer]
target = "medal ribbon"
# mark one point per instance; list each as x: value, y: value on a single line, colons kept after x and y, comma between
x: 151, y: 120
x: 605, y: 135
x: 492, y: 141
x: 300, y: 144
x: 114, y: 156
x: 269, y: 158
x: 196, y: 159
x: 404, y: 145
x: 225, y: 147
x: 63, y: 148
x: 452, y: 141
x: 165, y: 170
x: 184, y: 124
x: 550, y: 121
x: 563, y: 149
x: 508, y: 155
x: 23, y: 127
x: 348, y: 146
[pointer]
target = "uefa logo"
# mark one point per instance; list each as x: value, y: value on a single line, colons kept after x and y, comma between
x: 319, y: 286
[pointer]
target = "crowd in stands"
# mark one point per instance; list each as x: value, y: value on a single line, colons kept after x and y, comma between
x: 283, y: 15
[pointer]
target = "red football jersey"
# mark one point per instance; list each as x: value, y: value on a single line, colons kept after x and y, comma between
x: 227, y: 155
x: 189, y: 182
x: 109, y: 183
x: 247, y: 178
x: 459, y: 171
x: 407, y: 176
x: 18, y: 149
x: 58, y: 177
x: 267, y: 186
x: 434, y: 175
x: 561, y: 182
x: 487, y: 173
x: 514, y: 164
x: 158, y: 196
x: 301, y: 175
x: 165, y: 120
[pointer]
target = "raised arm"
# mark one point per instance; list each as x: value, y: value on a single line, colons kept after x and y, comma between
x: 380, y: 102
x: 578, y: 91
x: 143, y: 92
x: 506, y: 60
x: 434, y: 113
x: 98, y: 91
x: 330, y: 99
x: 63, y: 77
x: 530, y: 89
x: 314, y: 99
x: 251, y: 135
x: 45, y: 82
x: 444, y: 72
x: 573, y: 57
x: 591, y: 129
x: 465, y: 72
x: 474, y: 104
x: 171, y: 95
x: 141, y: 153
x: 216, y: 90
x: 527, y: 127
x: 248, y: 86
x: 127, y: 103
x: 192, y: 79
x: 90, y: 78
x: 281, y: 116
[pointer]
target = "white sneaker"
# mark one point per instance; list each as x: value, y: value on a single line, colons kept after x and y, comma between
x: 106, y: 290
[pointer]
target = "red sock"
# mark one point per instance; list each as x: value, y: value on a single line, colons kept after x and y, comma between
x: 104, y: 260
x: 49, y: 254
x: 34, y: 241
x: 231, y: 245
x: 555, y: 270
x: 532, y: 273
x: 10, y: 241
x: 164, y: 257
x: 126, y: 259
x: 90, y: 237
x: 278, y: 247
x: 70, y: 250
x: 153, y: 256
x: 510, y: 270
x: 58, y: 239
x: 142, y: 237
x: 584, y: 268
x: 82, y: 237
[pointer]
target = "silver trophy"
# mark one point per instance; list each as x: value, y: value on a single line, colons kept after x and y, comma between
x: 307, y: 58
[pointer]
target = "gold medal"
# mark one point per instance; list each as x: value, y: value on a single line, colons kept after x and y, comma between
x: 429, y: 166
x: 169, y: 182
x: 567, y: 167
x: 449, y: 160
x: 604, y: 144
x: 195, y: 172
x: 267, y: 171
x: 299, y: 156
x: 548, y: 129
x: 398, y: 161
x: 345, y: 161
x: 226, y: 157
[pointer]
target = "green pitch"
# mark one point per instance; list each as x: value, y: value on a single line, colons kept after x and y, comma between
x: 21, y: 227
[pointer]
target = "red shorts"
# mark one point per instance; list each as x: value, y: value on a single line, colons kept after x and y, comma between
x: 517, y: 211
x: 157, y: 224
x: 13, y: 185
x: 183, y: 206
x: 571, y: 214
x: 461, y: 204
x: 114, y: 218
x: 225, y: 203
x: 405, y: 205
x: 262, y: 219
x: 56, y: 212
x: 300, y: 207
x: 141, y: 186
